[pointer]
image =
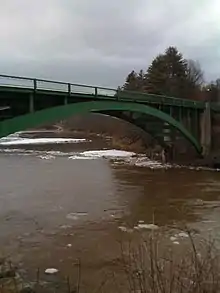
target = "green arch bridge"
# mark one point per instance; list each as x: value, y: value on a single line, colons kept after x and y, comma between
x: 29, y: 102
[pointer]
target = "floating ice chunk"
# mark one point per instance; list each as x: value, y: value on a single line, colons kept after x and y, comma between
x: 183, y: 235
x: 65, y: 227
x: 51, y: 271
x: 147, y: 226
x: 199, y: 255
x: 75, y: 216
x: 72, y: 217
x: 176, y: 242
x: 124, y: 229
x: 199, y: 201
x: 172, y: 238
x: 46, y: 157
x: 78, y: 157
x: 69, y: 245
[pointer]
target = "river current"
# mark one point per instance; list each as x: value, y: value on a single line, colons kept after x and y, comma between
x: 65, y: 200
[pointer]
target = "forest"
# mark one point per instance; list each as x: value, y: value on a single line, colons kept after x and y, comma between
x: 172, y: 75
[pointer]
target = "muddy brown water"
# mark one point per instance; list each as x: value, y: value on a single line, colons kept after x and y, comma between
x: 54, y: 212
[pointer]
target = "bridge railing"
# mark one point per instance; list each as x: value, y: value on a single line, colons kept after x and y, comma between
x: 74, y: 88
x: 106, y: 92
x: 102, y: 92
x: 42, y: 84
x: 159, y: 99
x: 14, y: 81
x: 50, y: 86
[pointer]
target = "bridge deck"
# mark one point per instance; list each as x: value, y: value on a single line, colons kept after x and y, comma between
x: 21, y: 84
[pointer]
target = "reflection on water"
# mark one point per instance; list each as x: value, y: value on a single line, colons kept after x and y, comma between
x: 57, y: 210
x: 171, y: 195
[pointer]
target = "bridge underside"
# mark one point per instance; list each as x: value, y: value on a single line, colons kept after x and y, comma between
x: 161, y: 132
x: 157, y: 123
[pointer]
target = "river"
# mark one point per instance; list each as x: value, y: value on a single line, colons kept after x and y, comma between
x: 61, y: 203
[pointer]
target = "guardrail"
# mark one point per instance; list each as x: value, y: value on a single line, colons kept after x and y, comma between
x: 159, y: 99
x: 70, y: 88
x: 50, y: 85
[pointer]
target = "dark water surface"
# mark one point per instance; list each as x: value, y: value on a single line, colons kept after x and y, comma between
x: 57, y: 210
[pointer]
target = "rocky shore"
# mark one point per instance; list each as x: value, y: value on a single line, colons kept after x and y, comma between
x: 14, y: 279
x: 11, y: 280
x: 133, y: 143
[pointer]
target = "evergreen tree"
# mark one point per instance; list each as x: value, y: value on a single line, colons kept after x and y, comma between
x: 167, y: 74
x: 131, y: 82
x: 141, y: 80
x: 155, y: 79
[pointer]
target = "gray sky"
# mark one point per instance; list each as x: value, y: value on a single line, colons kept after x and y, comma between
x: 99, y: 42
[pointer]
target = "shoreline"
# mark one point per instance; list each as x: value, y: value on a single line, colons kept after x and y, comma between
x: 212, y: 161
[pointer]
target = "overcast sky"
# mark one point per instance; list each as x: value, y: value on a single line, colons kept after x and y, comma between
x: 99, y: 42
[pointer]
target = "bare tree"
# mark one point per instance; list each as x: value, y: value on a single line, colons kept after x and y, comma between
x: 194, y: 74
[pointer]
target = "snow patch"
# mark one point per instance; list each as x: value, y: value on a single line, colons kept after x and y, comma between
x: 178, y: 236
x: 146, y: 162
x: 31, y: 141
x: 108, y: 153
x: 146, y: 226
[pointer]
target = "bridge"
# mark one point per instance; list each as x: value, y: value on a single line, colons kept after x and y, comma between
x: 29, y: 102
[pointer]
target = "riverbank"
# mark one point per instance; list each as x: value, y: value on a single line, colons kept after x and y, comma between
x: 133, y: 143
x: 143, y: 265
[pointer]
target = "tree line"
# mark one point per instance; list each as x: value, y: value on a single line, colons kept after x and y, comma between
x: 172, y: 75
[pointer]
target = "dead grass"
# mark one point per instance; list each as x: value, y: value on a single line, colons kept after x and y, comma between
x: 148, y: 270
x: 152, y: 267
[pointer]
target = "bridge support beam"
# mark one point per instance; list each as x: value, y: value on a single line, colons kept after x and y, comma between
x: 31, y: 103
x: 206, y: 130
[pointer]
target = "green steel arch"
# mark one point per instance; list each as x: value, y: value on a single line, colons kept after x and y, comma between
x: 62, y: 112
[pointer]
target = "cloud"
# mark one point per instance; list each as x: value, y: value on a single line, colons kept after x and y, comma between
x: 99, y: 42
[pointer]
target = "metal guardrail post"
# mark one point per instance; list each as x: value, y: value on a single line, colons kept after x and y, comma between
x: 35, y: 84
x: 117, y: 94
x: 69, y: 89
x: 68, y: 95
x: 32, y: 96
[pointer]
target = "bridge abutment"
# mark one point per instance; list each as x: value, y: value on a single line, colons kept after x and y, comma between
x: 206, y: 130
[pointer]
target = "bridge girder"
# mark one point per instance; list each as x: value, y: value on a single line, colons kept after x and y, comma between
x: 53, y: 114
